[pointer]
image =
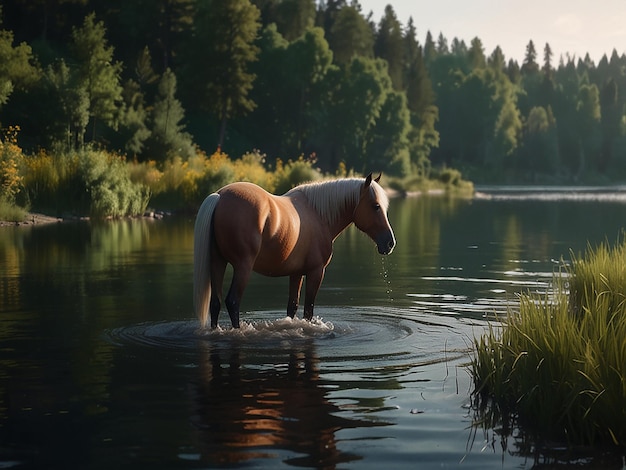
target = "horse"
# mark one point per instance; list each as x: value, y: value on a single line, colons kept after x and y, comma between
x: 290, y: 235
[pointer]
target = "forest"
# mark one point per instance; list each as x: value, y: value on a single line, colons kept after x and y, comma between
x: 158, y: 81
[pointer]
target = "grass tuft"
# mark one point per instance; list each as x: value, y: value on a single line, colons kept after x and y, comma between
x: 9, y: 212
x: 557, y: 368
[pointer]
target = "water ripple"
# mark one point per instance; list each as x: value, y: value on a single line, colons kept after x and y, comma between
x: 382, y: 336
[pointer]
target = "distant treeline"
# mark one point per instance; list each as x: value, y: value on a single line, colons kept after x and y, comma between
x: 155, y: 79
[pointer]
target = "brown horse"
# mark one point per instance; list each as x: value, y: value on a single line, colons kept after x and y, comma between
x: 290, y: 235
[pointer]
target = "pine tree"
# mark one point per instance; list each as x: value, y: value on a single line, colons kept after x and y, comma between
x: 168, y: 137
x: 423, y: 135
x: 97, y: 72
x: 350, y: 36
x: 430, y: 50
x: 476, y: 54
x: 529, y: 66
x: 218, y: 59
x: 388, y: 45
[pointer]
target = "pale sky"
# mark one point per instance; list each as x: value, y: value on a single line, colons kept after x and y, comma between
x: 574, y: 26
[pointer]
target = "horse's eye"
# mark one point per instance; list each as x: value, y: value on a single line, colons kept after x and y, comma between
x: 376, y: 206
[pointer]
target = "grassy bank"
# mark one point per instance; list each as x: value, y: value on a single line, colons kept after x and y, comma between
x: 556, y: 370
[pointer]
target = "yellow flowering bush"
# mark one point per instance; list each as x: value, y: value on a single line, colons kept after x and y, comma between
x: 11, y: 159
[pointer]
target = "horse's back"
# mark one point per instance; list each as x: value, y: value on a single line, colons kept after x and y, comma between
x: 275, y: 233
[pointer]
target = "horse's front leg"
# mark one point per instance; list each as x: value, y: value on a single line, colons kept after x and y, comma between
x: 295, y: 284
x: 313, y: 283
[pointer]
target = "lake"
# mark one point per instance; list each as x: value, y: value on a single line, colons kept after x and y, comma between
x: 101, y: 365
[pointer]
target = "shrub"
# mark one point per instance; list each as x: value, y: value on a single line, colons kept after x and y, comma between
x: 293, y: 173
x: 108, y: 182
x: 11, y: 158
x: 250, y: 168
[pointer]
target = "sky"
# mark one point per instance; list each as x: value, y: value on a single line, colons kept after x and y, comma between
x: 576, y: 27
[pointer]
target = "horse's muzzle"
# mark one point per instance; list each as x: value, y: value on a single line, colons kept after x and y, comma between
x: 385, y: 243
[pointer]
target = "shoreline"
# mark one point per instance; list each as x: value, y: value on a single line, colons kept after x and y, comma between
x: 32, y: 218
x: 35, y: 218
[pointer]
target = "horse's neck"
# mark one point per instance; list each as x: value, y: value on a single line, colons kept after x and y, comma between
x: 342, y: 222
x: 337, y: 214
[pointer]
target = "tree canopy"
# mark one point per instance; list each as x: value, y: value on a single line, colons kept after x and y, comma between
x: 160, y: 78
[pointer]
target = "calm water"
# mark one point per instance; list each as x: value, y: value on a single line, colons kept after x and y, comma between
x: 100, y: 365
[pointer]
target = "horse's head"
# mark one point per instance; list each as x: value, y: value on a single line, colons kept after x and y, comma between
x: 370, y: 215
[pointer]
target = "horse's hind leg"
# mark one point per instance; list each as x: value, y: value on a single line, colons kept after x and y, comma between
x: 218, y: 268
x: 241, y: 275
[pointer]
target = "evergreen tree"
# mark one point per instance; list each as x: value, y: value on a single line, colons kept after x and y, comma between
x: 496, y: 60
x: 160, y: 24
x: 430, y: 50
x: 218, y: 57
x: 442, y: 45
x: 588, y: 115
x: 387, y: 147
x: 168, y: 137
x: 547, y: 89
x: 17, y: 67
x: 133, y: 127
x: 458, y: 48
x: 97, y: 72
x: 133, y: 130
x: 294, y: 17
x: 531, y: 80
x: 350, y: 36
x: 420, y: 98
x: 389, y: 46
x: 529, y: 66
x: 271, y: 120
x: 547, y: 60
x: 70, y: 101
x: 309, y: 58
x: 476, y: 54
x: 610, y: 121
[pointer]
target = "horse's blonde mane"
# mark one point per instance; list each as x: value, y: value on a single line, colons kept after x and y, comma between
x: 330, y: 198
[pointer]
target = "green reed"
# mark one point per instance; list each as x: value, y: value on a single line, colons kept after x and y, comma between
x: 557, y: 368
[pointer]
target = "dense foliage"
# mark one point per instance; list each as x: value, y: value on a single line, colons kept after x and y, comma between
x: 154, y: 79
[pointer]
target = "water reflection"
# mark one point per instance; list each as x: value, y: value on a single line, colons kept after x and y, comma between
x: 247, y: 410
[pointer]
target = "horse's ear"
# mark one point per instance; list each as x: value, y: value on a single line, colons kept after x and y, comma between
x: 368, y: 181
x: 377, y: 179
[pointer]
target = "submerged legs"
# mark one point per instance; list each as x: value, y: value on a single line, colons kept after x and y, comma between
x: 218, y: 268
x: 241, y: 275
x: 295, y: 284
x: 313, y: 283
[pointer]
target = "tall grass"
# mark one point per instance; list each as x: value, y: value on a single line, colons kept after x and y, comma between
x: 557, y: 368
x: 9, y: 212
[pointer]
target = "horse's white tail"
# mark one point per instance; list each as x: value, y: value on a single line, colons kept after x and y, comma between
x: 202, y: 258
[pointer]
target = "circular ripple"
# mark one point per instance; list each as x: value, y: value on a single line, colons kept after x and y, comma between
x: 372, y: 334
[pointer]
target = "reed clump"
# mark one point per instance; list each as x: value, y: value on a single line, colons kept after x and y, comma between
x: 556, y: 370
